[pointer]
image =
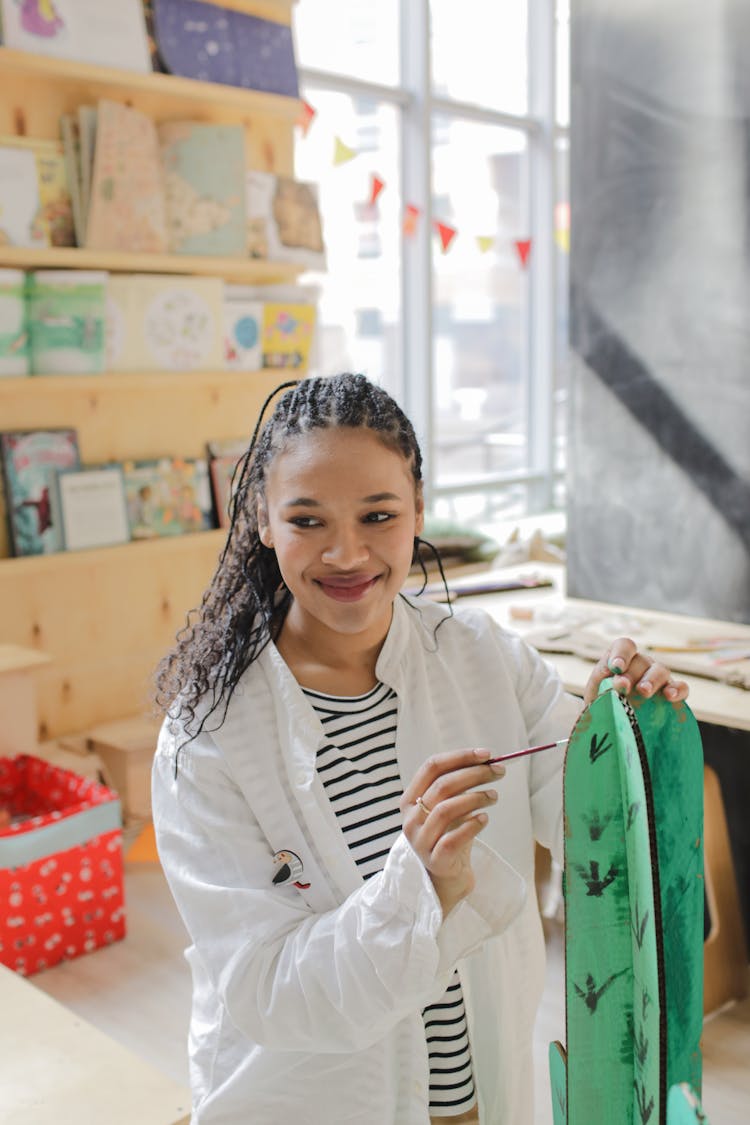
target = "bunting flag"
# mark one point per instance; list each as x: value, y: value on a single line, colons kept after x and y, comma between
x: 342, y: 154
x: 411, y: 217
x: 484, y: 242
x: 377, y: 187
x: 523, y: 249
x: 447, y: 234
x: 562, y: 227
x: 305, y: 118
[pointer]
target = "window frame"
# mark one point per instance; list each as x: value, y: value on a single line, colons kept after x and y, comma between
x: 417, y: 104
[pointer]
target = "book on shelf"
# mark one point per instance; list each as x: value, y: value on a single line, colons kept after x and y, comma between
x: 283, y: 220
x: 217, y: 44
x: 30, y: 460
x: 87, y: 119
x: 91, y: 503
x: 126, y: 208
x: 70, y: 137
x: 35, y: 200
x: 223, y: 457
x: 243, y: 328
x: 164, y: 322
x: 204, y: 182
x: 288, y: 331
x: 106, y: 32
x: 167, y: 496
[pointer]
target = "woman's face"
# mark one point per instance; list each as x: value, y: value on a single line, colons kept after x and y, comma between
x: 341, y: 510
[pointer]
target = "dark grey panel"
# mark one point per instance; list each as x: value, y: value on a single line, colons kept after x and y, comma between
x: 659, y: 479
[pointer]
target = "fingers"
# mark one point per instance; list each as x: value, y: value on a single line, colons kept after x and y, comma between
x: 633, y: 671
x: 447, y: 815
x: 444, y: 775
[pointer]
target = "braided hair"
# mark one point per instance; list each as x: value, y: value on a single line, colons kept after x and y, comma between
x: 246, y: 602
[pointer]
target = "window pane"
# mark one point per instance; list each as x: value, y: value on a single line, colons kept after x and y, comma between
x: 480, y: 301
x: 479, y: 52
x: 359, y: 311
x: 562, y: 247
x: 562, y: 64
x: 359, y: 38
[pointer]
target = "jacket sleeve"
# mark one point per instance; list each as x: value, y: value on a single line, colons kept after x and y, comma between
x: 549, y: 713
x: 288, y: 977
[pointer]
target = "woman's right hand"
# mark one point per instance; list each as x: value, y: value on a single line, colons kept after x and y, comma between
x: 441, y: 829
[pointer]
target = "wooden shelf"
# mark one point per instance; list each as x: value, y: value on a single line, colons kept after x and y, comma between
x: 173, y: 94
x: 248, y: 271
x: 123, y: 417
x: 162, y: 548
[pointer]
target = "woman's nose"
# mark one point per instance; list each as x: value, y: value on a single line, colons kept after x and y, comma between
x: 346, y: 549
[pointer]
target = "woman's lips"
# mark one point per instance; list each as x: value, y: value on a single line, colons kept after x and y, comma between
x: 347, y: 589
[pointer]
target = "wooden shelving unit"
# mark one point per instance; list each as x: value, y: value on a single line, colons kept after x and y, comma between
x: 106, y: 616
x: 246, y: 271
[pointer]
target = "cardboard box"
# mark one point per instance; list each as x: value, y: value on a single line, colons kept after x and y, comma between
x: 127, y: 747
x: 61, y: 884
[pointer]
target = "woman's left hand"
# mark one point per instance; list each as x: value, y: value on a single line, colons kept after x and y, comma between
x: 632, y: 671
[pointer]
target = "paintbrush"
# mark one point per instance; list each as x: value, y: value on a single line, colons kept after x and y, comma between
x: 529, y: 750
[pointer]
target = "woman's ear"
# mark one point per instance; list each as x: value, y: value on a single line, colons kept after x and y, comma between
x: 264, y: 530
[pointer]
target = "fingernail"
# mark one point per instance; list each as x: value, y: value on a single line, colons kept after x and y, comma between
x: 616, y: 665
x: 482, y: 754
x: 645, y: 688
x: 498, y: 768
x: 623, y: 687
x: 491, y: 794
x: 482, y: 817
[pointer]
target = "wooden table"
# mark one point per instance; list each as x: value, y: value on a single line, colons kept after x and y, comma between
x: 552, y: 610
x: 59, y: 1070
x: 548, y: 610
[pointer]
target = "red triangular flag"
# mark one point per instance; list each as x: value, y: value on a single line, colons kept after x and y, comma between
x: 306, y: 115
x: 523, y: 247
x: 377, y: 187
x: 447, y: 234
x: 411, y: 215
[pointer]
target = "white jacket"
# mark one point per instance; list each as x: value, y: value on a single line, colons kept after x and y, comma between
x: 307, y: 999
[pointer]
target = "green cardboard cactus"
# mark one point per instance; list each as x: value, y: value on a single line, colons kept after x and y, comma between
x: 633, y: 802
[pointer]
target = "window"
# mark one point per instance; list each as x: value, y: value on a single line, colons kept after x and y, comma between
x: 461, y: 111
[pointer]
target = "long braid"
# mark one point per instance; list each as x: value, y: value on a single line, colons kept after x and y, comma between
x: 246, y: 602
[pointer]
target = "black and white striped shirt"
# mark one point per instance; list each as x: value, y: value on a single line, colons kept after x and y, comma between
x: 360, y: 774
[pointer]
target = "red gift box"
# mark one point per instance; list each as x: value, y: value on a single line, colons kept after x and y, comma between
x: 61, y: 884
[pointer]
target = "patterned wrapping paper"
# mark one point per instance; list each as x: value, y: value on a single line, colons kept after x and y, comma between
x: 61, y: 872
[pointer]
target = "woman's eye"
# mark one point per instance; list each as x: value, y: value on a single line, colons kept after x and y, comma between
x: 378, y: 517
x: 304, y: 521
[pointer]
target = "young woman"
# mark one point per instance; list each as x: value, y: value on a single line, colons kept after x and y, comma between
x: 321, y: 781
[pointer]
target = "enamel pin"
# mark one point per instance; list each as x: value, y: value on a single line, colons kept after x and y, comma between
x: 290, y: 870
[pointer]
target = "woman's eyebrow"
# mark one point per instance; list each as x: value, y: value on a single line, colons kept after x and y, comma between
x: 302, y: 502
x: 378, y: 496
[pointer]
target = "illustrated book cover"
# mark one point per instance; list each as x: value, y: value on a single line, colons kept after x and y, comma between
x: 126, y: 207
x: 105, y: 32
x: 243, y: 328
x: 223, y: 457
x: 283, y: 220
x: 287, y: 336
x: 164, y: 322
x: 167, y: 496
x: 92, y: 507
x: 35, y: 200
x: 204, y: 183
x: 30, y: 459
x: 217, y: 44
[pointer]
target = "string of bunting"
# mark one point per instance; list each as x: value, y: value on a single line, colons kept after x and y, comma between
x: 343, y: 154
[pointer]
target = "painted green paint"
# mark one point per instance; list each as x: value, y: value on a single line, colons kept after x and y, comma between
x: 633, y: 802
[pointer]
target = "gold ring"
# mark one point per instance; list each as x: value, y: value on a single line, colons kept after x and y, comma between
x: 420, y: 803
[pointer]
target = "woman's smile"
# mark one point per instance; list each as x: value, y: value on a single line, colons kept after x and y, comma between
x: 349, y: 587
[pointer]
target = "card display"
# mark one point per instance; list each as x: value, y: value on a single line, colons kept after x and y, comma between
x: 30, y: 459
